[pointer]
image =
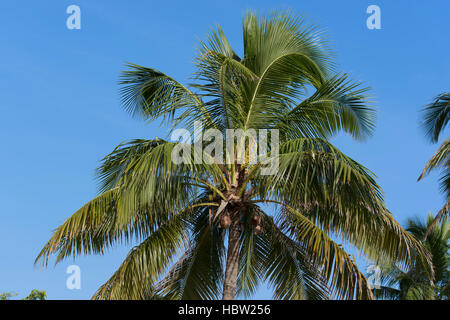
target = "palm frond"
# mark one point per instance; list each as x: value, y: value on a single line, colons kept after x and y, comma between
x: 137, y: 275
x: 150, y: 94
x: 91, y: 229
x: 198, y: 273
x: 386, y: 293
x: 285, y: 54
x: 338, y: 104
x: 337, y: 266
x: 289, y: 268
x: 441, y: 159
x: 253, y: 252
x: 436, y: 116
x: 340, y: 195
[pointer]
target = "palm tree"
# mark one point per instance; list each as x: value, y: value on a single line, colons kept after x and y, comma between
x: 203, y: 226
x: 416, y: 284
x: 436, y: 116
x: 7, y: 295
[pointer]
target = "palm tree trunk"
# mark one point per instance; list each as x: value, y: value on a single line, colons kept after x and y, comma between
x: 232, y: 267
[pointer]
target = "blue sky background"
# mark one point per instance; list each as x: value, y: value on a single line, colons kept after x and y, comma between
x: 60, y: 111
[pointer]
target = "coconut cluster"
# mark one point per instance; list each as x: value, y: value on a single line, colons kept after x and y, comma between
x: 225, y: 222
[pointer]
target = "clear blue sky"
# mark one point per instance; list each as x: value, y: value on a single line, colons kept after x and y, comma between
x: 60, y: 112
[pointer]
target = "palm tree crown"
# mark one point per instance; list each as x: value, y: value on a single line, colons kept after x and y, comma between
x: 203, y: 227
x: 416, y: 283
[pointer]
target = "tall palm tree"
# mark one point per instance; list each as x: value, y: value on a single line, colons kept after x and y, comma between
x: 435, y: 119
x: 203, y: 227
x: 416, y: 284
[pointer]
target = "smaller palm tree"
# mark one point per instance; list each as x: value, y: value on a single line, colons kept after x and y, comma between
x: 435, y: 119
x: 416, y: 283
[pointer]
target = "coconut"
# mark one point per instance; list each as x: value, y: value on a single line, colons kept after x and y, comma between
x: 225, y: 222
x: 256, y: 219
